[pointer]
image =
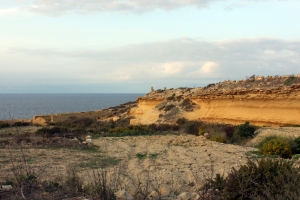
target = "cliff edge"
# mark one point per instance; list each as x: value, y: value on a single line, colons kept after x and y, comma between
x: 263, y: 101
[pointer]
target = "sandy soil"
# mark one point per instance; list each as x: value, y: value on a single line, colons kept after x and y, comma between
x: 179, y: 162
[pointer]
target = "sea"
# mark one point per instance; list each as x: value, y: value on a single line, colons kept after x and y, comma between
x: 25, y: 106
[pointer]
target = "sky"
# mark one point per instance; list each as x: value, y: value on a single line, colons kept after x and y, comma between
x: 129, y: 46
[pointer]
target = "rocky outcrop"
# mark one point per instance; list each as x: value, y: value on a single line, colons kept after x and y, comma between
x: 264, y: 101
x: 260, y: 100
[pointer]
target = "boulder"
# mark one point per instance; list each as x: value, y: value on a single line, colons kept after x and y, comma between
x: 153, y: 195
x: 164, y: 191
x: 184, y: 196
x: 123, y: 195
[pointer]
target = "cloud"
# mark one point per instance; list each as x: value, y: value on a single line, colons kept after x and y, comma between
x: 208, y: 68
x: 8, y: 11
x: 172, y: 62
x: 58, y: 7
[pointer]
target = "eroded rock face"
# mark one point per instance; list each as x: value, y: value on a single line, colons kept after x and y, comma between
x: 263, y: 101
x: 259, y: 100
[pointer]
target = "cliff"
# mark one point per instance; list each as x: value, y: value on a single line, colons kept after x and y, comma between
x: 262, y: 101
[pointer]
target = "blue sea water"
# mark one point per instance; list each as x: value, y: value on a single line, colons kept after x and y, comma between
x: 23, y: 106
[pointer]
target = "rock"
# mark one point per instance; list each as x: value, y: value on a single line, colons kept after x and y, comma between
x: 210, y: 191
x: 123, y: 195
x: 88, y: 139
x: 195, y: 196
x: 5, y: 187
x: 139, y: 196
x: 164, y: 191
x: 184, y: 196
x: 153, y: 194
x: 206, y: 135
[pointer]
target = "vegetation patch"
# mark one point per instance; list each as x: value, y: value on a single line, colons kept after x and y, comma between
x: 290, y: 80
x: 263, y: 179
x: 141, y: 156
x: 99, y: 162
x: 245, y: 130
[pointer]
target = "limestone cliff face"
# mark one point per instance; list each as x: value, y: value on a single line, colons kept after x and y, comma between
x: 261, y: 101
x: 145, y: 112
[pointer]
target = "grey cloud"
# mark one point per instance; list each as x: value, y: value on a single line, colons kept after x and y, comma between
x: 184, y: 59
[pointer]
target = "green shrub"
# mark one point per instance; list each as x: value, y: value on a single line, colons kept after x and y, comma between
x: 290, y: 80
x: 202, y: 130
x: 277, y: 146
x: 181, y: 121
x: 229, y: 130
x: 50, y: 132
x: 245, y: 130
x: 265, y: 179
x: 74, y: 122
x: 219, y: 182
x: 163, y: 127
x: 218, y: 138
x: 266, y: 139
x: 4, y: 125
x: 296, y: 147
x: 192, y: 127
x: 17, y: 124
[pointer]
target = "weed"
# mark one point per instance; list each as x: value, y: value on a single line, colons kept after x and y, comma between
x: 99, y: 162
x: 141, y: 156
x: 153, y: 155
x: 290, y: 80
x: 219, y: 138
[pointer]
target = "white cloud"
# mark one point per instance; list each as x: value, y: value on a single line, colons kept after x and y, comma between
x: 59, y: 7
x: 173, y: 67
x: 208, y: 67
x: 54, y: 7
x: 9, y: 11
x: 175, y: 61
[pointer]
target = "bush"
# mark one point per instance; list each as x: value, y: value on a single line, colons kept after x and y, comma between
x: 171, y: 98
x: 229, y: 131
x: 187, y: 104
x: 4, y: 125
x: 17, y: 124
x: 163, y: 127
x: 202, y: 130
x: 169, y: 107
x: 181, y: 121
x: 73, y: 121
x: 245, y: 130
x: 290, y: 80
x: 218, y: 138
x: 296, y: 147
x: 192, y: 127
x: 277, y: 146
x: 50, y: 132
x: 264, y: 179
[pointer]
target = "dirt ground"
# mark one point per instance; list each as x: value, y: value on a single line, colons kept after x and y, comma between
x: 180, y: 162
